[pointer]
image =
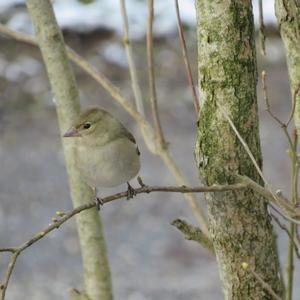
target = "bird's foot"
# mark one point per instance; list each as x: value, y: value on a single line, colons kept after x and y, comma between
x: 130, y: 191
x: 99, y: 202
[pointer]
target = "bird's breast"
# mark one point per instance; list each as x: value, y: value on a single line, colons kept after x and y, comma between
x: 107, y: 165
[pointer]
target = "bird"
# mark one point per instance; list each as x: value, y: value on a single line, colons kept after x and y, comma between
x: 106, y: 153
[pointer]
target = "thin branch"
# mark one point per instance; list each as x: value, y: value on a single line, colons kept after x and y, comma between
x: 66, y: 216
x: 294, y: 182
x: 277, y: 199
x: 266, y: 98
x: 264, y: 284
x: 268, y: 106
x: 193, y: 233
x: 76, y: 295
x: 294, y: 96
x: 186, y: 59
x: 262, y: 34
x: 247, y: 149
x: 292, y: 226
x: 297, y: 235
x: 153, y: 97
x: 275, y: 118
x: 89, y: 69
x: 191, y: 199
x: 284, y: 228
x: 12, y: 250
x: 146, y: 129
x: 132, y: 68
x: 10, y: 268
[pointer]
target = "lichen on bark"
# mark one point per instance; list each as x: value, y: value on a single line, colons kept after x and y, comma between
x: 239, y: 222
x: 288, y: 17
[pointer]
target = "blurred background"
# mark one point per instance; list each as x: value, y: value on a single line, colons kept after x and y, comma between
x: 149, y: 258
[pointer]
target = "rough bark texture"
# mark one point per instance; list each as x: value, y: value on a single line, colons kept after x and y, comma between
x: 239, y: 222
x: 96, y: 268
x: 288, y: 17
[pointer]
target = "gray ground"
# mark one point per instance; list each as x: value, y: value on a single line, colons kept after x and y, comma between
x: 149, y: 258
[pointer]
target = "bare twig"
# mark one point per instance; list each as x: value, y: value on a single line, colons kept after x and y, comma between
x: 294, y: 179
x: 294, y: 97
x: 264, y: 284
x: 268, y: 106
x: 89, y: 69
x: 12, y: 250
x: 262, y: 35
x: 266, y: 98
x: 153, y: 97
x: 297, y: 235
x: 268, y: 109
x: 191, y: 199
x: 132, y: 68
x: 278, y: 201
x: 292, y: 226
x: 246, y: 147
x: 186, y: 59
x: 146, y: 128
x: 284, y: 228
x: 193, y: 233
x: 66, y: 216
x: 78, y: 295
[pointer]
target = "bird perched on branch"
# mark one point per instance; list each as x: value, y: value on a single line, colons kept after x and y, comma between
x: 106, y: 153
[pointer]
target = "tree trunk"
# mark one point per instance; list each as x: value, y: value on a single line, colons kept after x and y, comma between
x: 288, y: 17
x: 95, y: 264
x: 240, y: 225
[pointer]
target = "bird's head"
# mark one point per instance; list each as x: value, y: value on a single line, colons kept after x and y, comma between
x: 89, y: 123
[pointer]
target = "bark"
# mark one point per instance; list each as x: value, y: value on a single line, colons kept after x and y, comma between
x: 288, y: 17
x: 95, y: 263
x: 239, y: 223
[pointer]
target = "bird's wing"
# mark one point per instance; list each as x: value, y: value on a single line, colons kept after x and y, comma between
x: 131, y: 138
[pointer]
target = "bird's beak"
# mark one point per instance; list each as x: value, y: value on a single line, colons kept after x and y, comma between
x: 72, y: 132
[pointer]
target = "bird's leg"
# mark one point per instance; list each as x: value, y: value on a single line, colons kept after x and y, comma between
x: 130, y: 191
x: 97, y: 200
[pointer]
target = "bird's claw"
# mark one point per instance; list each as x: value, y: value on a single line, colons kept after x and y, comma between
x: 99, y: 202
x: 130, y: 191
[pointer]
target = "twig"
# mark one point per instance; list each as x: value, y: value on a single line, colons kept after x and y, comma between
x: 193, y: 233
x: 132, y: 68
x: 146, y: 128
x: 297, y: 235
x: 268, y: 109
x: 292, y: 226
x: 294, y: 96
x: 77, y: 295
x: 268, y: 106
x: 278, y: 200
x: 89, y: 69
x: 266, y: 98
x: 12, y: 250
x: 191, y: 199
x: 246, y: 147
x: 264, y: 284
x: 284, y: 228
x: 153, y: 97
x: 186, y: 59
x: 262, y: 35
x: 66, y: 216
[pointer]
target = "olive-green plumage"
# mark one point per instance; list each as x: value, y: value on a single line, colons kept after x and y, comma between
x: 106, y: 152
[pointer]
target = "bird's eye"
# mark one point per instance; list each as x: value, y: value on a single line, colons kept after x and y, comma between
x: 86, y: 125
